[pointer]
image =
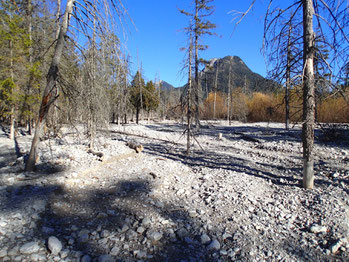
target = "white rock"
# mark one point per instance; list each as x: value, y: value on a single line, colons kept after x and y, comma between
x: 154, y: 235
x: 336, y: 246
x: 140, y: 254
x: 3, y: 252
x: 205, y: 239
x: 115, y: 251
x: 34, y: 257
x: 124, y: 228
x: 318, y: 229
x: 214, y: 245
x: 29, y: 248
x: 64, y: 253
x: 146, y: 221
x: 54, y: 245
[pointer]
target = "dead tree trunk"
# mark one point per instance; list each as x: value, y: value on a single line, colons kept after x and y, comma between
x: 288, y: 78
x: 308, y: 95
x: 51, y: 89
x: 189, y: 91
x: 229, y: 98
x: 196, y: 46
x: 12, y: 116
x: 215, y: 94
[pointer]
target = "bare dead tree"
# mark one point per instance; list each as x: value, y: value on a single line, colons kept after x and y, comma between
x: 83, y: 12
x: 189, y: 92
x: 308, y: 95
x: 201, y: 26
x: 283, y: 49
x: 332, y: 23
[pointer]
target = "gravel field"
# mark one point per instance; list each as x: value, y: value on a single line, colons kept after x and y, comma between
x: 234, y: 198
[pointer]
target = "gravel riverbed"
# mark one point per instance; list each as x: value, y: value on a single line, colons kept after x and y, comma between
x: 234, y: 198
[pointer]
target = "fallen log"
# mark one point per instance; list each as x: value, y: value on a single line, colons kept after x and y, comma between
x: 247, y: 137
x: 95, y: 153
x: 137, y: 147
x: 143, y: 136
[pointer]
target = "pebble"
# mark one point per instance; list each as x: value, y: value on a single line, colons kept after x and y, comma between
x: 13, y: 251
x: 146, y: 221
x: 105, y: 233
x: 115, y: 251
x: 102, y: 215
x: 64, y: 253
x: 124, y: 228
x: 205, y: 239
x: 154, y: 236
x: 3, y: 252
x: 182, y: 233
x: 318, y: 229
x: 54, y: 245
x: 83, y: 235
x: 336, y: 246
x: 214, y: 245
x: 140, y: 254
x: 34, y: 257
x: 105, y: 258
x: 29, y: 248
x: 86, y: 258
x: 140, y: 230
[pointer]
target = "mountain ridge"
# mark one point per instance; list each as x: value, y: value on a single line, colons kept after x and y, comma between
x: 241, y: 76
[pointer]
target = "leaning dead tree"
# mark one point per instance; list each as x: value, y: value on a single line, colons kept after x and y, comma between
x: 331, y: 20
x: 85, y: 14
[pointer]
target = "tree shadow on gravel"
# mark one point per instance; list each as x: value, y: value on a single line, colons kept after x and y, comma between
x: 111, y: 217
x: 215, y: 160
x: 109, y: 220
x: 212, y: 159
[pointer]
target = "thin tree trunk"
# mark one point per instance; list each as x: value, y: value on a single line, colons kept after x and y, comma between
x: 12, y: 116
x: 229, y: 97
x: 30, y: 81
x: 141, y: 94
x: 51, y: 89
x: 308, y: 95
x: 137, y: 115
x: 215, y: 94
x: 288, y: 79
x: 58, y: 13
x: 196, y: 46
x: 189, y: 94
x: 92, y: 109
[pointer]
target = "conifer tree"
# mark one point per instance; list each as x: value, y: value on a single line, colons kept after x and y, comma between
x: 151, y: 97
x: 136, y: 94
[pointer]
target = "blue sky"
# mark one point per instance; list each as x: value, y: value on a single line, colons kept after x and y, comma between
x: 156, y: 41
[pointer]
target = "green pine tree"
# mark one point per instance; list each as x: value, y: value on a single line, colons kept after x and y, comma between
x: 137, y: 93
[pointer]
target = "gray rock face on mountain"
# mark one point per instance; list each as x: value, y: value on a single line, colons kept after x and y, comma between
x: 241, y: 76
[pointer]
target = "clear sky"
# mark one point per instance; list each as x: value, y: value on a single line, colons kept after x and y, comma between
x: 157, y: 38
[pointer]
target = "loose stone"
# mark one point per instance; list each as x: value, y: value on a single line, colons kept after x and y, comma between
x: 54, y: 245
x: 214, y: 245
x: 29, y: 248
x: 105, y: 258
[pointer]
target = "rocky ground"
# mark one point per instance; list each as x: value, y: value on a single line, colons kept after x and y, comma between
x: 233, y: 199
